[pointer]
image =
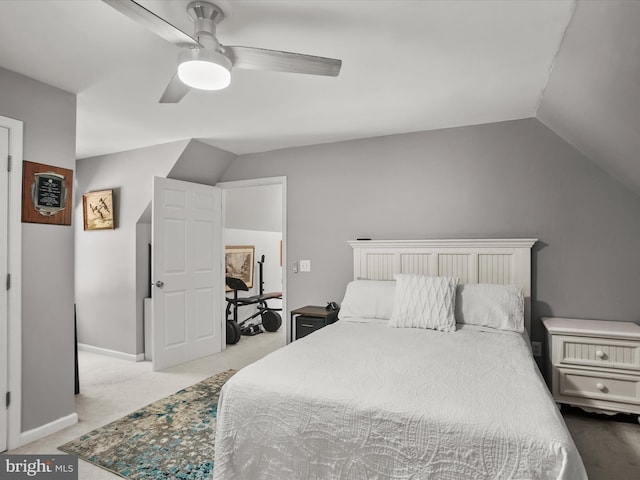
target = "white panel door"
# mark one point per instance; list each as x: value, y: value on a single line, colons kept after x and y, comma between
x: 4, y: 306
x: 186, y: 272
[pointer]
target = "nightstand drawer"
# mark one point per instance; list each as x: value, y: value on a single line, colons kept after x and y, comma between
x: 615, y: 388
x: 306, y: 325
x: 597, y: 352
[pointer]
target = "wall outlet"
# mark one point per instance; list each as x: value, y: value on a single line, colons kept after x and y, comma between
x: 536, y: 348
x: 305, y: 265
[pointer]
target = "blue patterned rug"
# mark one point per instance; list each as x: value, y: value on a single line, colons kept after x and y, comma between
x: 168, y: 439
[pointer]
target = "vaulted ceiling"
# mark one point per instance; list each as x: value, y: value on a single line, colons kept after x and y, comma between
x: 592, y: 98
x: 408, y: 65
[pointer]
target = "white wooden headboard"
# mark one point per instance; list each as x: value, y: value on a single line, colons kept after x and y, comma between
x: 502, y: 261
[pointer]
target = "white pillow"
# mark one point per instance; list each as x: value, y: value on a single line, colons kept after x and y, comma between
x: 368, y: 299
x: 424, y: 302
x: 489, y: 305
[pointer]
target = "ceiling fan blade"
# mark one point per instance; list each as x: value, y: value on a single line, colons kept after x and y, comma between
x: 261, y: 59
x: 154, y: 23
x: 175, y: 91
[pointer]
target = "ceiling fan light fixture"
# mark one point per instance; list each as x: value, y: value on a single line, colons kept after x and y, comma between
x: 204, y: 69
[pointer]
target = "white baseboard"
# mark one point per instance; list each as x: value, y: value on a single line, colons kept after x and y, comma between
x: 48, y: 428
x: 111, y: 353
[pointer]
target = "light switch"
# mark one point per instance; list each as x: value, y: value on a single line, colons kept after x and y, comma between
x: 305, y: 265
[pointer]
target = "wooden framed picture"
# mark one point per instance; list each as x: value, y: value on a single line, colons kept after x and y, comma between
x: 46, y: 194
x: 97, y: 208
x: 239, y: 263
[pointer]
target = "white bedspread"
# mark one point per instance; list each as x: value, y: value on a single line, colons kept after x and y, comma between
x: 362, y: 401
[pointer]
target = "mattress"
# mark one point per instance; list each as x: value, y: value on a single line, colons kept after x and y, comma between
x: 360, y: 400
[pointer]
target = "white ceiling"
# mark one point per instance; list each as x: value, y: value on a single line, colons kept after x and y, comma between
x: 407, y: 66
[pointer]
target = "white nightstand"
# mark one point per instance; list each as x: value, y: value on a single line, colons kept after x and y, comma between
x: 595, y: 364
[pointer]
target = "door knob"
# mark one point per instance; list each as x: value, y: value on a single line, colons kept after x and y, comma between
x: 159, y: 284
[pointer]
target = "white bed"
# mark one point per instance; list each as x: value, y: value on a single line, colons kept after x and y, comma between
x: 361, y: 400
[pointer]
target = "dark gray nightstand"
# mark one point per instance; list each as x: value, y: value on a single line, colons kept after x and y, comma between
x: 311, y: 318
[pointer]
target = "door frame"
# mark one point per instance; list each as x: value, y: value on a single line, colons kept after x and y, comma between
x: 14, y: 320
x: 258, y: 182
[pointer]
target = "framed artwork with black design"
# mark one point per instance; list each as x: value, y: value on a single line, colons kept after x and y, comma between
x: 97, y: 208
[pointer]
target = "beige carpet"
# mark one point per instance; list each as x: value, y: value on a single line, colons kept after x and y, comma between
x: 609, y: 446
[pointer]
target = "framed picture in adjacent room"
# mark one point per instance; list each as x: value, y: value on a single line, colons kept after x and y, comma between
x: 97, y: 208
x: 239, y: 263
x: 46, y: 194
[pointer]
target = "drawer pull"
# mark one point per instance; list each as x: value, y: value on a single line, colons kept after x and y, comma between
x: 306, y: 325
x: 601, y: 387
x: 600, y: 354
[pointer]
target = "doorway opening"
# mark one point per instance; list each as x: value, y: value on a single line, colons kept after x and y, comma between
x: 254, y: 219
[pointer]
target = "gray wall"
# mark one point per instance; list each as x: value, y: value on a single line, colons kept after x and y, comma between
x: 592, y: 98
x: 108, y: 314
x: 254, y: 208
x: 49, y: 117
x: 201, y: 163
x: 510, y: 179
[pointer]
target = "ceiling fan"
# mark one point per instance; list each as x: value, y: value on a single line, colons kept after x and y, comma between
x: 204, y: 63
